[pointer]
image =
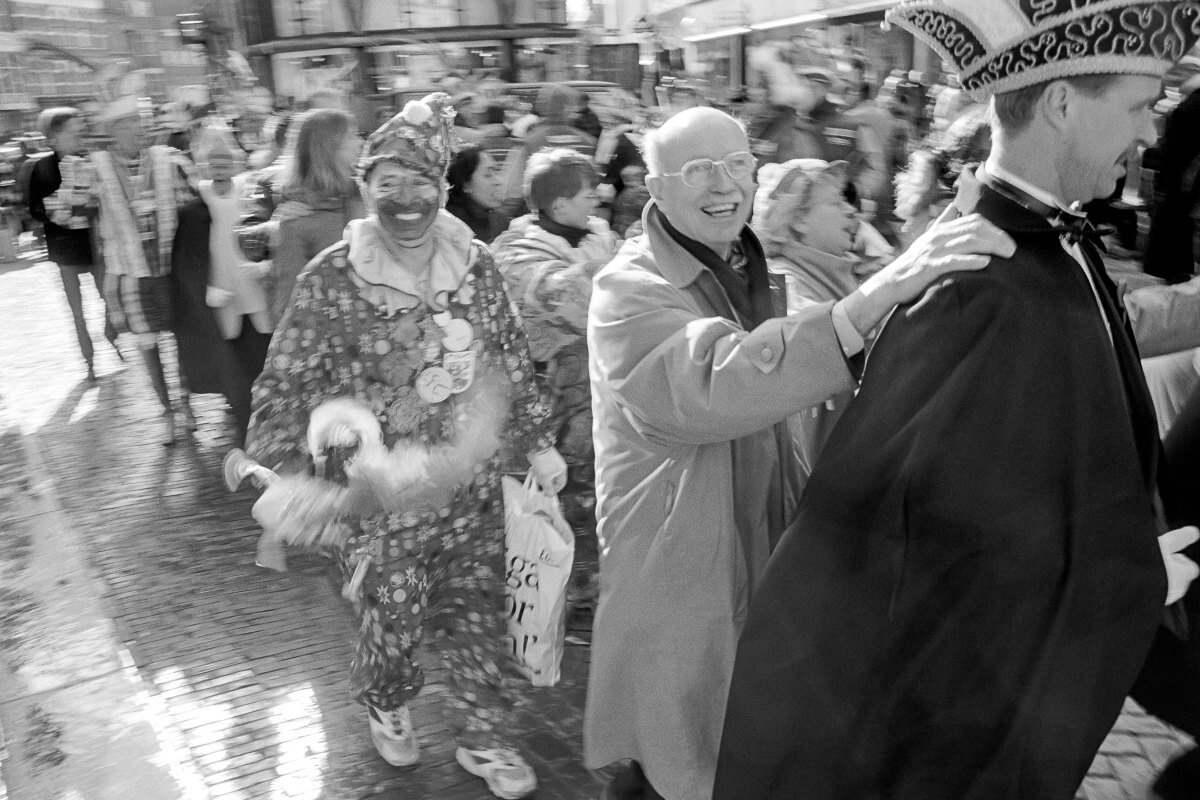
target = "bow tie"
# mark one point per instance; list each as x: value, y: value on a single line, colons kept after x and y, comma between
x: 1076, y: 227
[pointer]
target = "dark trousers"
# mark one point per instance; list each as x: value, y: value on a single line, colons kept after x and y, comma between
x: 250, y: 352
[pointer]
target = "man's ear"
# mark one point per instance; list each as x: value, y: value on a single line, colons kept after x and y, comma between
x: 655, y: 185
x: 1055, y: 103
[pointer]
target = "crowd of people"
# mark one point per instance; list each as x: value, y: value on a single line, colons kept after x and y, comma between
x: 935, y: 573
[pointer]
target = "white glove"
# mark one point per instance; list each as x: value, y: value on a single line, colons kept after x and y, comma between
x: 269, y: 508
x: 1181, y: 570
x: 216, y: 297
x: 549, y: 470
x: 259, y: 270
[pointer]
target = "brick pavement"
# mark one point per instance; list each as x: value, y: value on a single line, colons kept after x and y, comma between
x: 244, y: 669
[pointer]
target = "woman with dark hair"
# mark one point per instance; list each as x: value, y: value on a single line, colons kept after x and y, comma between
x: 54, y: 201
x: 474, y: 179
x: 319, y: 197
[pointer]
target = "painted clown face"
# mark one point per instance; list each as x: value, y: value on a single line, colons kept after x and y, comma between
x: 406, y: 200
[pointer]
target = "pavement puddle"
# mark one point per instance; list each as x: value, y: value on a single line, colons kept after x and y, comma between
x: 77, y: 722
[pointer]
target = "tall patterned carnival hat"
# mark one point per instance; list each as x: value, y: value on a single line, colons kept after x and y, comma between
x: 999, y: 46
x: 420, y: 137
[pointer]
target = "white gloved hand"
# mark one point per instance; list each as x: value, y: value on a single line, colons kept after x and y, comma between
x: 1181, y: 570
x: 269, y: 508
x: 549, y: 470
x: 259, y: 270
x: 216, y: 297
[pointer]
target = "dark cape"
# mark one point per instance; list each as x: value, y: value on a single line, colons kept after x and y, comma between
x: 973, y: 580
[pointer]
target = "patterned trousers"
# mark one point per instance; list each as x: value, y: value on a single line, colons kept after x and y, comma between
x: 438, y: 578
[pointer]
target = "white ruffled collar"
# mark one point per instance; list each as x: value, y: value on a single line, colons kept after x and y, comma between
x: 385, y: 284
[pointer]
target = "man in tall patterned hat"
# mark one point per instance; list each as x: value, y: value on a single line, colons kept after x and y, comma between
x: 981, y: 559
x: 140, y: 189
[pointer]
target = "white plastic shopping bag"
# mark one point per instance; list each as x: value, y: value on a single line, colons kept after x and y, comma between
x: 540, y: 549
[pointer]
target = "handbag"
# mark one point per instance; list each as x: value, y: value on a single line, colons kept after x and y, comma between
x: 539, y: 552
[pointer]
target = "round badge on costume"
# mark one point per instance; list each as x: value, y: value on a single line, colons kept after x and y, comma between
x: 434, y: 384
x: 458, y: 335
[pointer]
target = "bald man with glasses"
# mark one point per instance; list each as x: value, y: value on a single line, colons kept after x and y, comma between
x: 694, y: 370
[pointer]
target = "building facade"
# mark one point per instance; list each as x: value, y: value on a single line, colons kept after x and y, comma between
x: 55, y: 46
x: 715, y: 35
x: 375, y: 48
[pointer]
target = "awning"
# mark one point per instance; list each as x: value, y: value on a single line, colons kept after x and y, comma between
x: 721, y: 34
x: 422, y: 36
x: 814, y: 17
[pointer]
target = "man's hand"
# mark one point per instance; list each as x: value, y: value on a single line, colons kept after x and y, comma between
x: 966, y: 243
x: 1181, y: 570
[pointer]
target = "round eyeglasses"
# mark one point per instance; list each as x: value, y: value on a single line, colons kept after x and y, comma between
x: 699, y: 172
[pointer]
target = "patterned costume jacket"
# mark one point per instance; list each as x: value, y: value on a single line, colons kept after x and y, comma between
x: 348, y: 336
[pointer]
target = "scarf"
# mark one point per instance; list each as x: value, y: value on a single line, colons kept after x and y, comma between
x: 572, y: 234
x: 142, y: 247
x: 744, y: 277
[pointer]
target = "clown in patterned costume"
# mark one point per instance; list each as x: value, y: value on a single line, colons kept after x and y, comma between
x: 409, y: 316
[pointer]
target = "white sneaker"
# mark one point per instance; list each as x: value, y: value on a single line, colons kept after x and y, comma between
x: 508, y: 776
x: 392, y: 734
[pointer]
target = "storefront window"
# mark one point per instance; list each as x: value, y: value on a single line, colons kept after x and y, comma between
x: 297, y: 75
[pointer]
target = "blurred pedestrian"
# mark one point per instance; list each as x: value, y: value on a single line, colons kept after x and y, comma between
x: 475, y: 182
x: 631, y: 201
x: 262, y: 194
x: 548, y: 259
x: 222, y: 323
x: 976, y: 573
x: 408, y: 321
x: 694, y: 370
x: 807, y: 229
x: 585, y: 119
x: 140, y: 189
x: 555, y: 102
x: 62, y: 204
x: 1174, y: 242
x: 319, y: 198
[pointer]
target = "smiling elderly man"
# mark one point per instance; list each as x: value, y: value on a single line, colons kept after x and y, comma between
x: 694, y: 371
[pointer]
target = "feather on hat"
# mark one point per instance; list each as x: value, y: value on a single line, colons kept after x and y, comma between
x: 999, y: 46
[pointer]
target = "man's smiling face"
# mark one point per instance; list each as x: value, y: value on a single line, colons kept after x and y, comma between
x: 713, y: 215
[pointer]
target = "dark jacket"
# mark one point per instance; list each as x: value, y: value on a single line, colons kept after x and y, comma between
x: 301, y: 238
x: 64, y: 246
x: 973, y: 580
x: 486, y: 223
x: 1169, y: 246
